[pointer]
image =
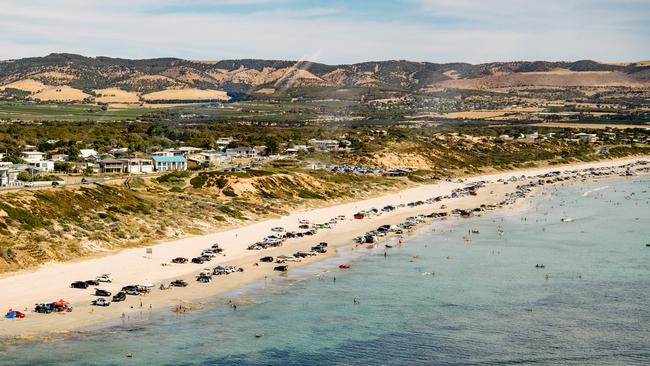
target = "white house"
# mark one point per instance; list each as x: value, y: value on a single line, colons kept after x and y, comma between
x: 32, y: 156
x: 325, y: 145
x: 87, y: 153
x: 138, y: 166
x: 43, y: 165
x: 241, y: 152
x: 215, y: 157
x: 223, y: 142
x: 164, y: 153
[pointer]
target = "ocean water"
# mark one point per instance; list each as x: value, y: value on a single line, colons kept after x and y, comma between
x: 437, y: 300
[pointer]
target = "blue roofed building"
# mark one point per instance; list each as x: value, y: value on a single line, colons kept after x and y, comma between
x: 169, y: 163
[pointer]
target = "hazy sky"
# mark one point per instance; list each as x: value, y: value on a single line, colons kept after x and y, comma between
x: 334, y: 31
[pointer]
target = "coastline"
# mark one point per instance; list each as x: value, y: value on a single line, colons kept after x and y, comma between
x: 50, y: 282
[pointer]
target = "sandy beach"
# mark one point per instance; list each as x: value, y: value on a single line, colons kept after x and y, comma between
x: 21, y: 290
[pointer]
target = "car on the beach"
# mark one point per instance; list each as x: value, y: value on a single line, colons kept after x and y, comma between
x: 278, y: 229
x: 267, y: 259
x: 179, y: 260
x: 100, y: 302
x: 283, y: 268
x: 43, y: 308
x: 92, y: 283
x: 100, y: 292
x: 79, y: 284
x: 178, y: 283
x: 303, y: 226
x: 104, y: 278
x: 120, y: 296
x: 131, y: 290
x: 204, y: 279
x: 198, y: 260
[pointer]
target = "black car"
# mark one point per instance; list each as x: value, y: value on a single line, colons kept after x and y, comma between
x: 43, y: 308
x: 266, y: 259
x: 281, y: 268
x: 92, y: 283
x: 198, y: 260
x: 131, y: 290
x: 204, y: 279
x: 179, y: 283
x: 100, y: 292
x: 120, y: 296
x: 79, y: 284
x: 55, y: 184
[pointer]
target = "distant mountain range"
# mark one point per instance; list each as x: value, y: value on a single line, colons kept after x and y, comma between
x: 113, y: 80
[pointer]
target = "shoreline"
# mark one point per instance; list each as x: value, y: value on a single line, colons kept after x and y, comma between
x: 131, y: 267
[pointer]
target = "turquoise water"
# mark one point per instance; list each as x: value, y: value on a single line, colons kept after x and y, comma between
x: 487, y: 304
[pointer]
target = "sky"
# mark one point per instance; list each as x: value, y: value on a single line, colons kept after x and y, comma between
x: 330, y: 31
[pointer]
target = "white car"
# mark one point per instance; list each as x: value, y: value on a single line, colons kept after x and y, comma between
x: 105, y: 278
x: 29, y: 184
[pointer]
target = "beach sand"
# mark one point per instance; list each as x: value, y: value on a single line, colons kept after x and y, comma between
x: 21, y: 290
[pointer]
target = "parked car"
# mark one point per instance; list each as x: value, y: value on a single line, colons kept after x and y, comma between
x: 100, y: 292
x: 105, y: 278
x: 283, y: 268
x: 120, y: 296
x: 268, y: 259
x: 79, y: 284
x: 29, y: 184
x: 179, y: 283
x: 198, y: 260
x: 43, y: 308
x: 204, y: 279
x: 278, y: 229
x: 101, y: 302
x: 179, y: 260
x: 92, y: 283
x: 131, y: 290
x: 55, y: 184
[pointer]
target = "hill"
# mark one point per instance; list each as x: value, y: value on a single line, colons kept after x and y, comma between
x: 67, y: 77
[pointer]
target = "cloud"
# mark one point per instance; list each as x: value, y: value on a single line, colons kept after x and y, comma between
x: 420, y: 30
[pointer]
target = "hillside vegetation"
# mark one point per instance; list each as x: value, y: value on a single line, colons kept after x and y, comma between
x: 63, y: 224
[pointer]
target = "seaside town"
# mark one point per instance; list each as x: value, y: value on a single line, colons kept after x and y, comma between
x: 35, y: 168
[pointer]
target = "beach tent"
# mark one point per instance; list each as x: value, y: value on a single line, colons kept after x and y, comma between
x: 61, y: 303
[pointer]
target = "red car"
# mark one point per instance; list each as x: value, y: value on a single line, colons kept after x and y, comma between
x: 179, y: 260
x: 359, y: 216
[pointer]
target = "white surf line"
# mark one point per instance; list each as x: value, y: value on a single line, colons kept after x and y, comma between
x: 594, y: 190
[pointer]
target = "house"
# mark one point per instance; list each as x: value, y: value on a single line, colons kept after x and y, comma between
x: 241, y: 152
x: 111, y: 166
x: 60, y: 157
x: 8, y: 176
x: 87, y: 153
x: 223, y: 142
x: 120, y: 151
x: 163, y: 153
x: 325, y: 145
x: 138, y: 166
x: 42, y: 165
x: 32, y: 156
x: 169, y: 163
x: 215, y: 157
x: 586, y: 137
x: 297, y: 148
